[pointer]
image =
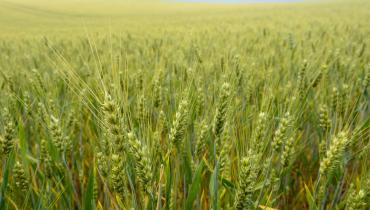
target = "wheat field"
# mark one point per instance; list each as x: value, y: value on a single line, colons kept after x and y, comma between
x: 162, y: 105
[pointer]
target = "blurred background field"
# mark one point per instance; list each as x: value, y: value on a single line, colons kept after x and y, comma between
x: 39, y: 18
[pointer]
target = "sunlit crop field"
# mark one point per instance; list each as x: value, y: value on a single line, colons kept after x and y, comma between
x: 122, y: 105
